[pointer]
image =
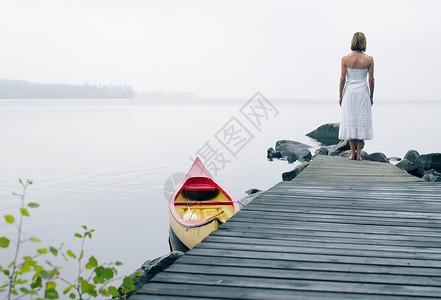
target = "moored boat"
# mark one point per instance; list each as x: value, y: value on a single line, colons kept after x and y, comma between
x: 197, y: 207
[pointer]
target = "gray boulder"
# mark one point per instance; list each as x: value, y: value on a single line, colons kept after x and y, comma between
x: 322, y: 151
x: 247, y: 199
x: 252, y: 191
x: 152, y: 267
x: 378, y: 156
x: 326, y: 134
x: 292, y: 157
x: 406, y: 165
x: 411, y: 155
x: 432, y: 178
x: 293, y: 150
x: 426, y: 162
x: 287, y: 176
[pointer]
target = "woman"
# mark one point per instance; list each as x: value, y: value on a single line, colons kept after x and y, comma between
x: 356, y: 96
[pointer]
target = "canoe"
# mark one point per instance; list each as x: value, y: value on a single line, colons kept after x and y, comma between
x: 198, y: 206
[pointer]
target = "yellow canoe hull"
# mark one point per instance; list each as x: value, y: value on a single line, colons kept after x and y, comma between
x: 191, y: 236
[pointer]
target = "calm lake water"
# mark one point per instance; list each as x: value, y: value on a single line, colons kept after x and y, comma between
x: 103, y: 163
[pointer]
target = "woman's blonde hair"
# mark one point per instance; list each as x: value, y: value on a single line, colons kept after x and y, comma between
x: 358, y: 42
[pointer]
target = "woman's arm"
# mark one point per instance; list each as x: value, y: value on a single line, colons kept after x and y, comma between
x: 371, y: 81
x: 342, y: 80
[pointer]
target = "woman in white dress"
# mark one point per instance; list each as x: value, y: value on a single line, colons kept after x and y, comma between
x: 356, y: 96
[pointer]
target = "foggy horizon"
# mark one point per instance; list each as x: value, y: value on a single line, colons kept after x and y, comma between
x: 222, y: 50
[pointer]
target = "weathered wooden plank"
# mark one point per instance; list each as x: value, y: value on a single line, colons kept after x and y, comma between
x: 362, y: 237
x: 319, y: 257
x: 325, y: 275
x: 331, y: 238
x: 316, y: 249
x: 198, y: 291
x: 276, y: 263
x: 295, y: 284
x: 227, y: 240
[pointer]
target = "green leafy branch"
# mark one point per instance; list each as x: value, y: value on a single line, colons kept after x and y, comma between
x: 28, y: 277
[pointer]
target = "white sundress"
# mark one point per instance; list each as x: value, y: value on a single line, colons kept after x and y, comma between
x: 356, y: 112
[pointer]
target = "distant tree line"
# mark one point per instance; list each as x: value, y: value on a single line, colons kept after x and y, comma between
x: 16, y: 89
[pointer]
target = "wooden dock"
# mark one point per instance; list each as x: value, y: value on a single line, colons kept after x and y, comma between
x: 335, y: 232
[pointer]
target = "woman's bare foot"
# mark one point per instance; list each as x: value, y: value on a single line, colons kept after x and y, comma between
x: 352, y: 157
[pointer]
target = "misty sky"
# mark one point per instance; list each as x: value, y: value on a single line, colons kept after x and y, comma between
x: 222, y: 49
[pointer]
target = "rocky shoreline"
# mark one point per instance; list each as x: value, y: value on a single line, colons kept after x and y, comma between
x: 425, y: 166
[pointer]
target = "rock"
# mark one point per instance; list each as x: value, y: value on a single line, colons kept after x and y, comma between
x: 292, y: 157
x: 322, y: 151
x: 287, y: 176
x: 244, y: 201
x: 298, y: 144
x: 394, y: 158
x: 378, y: 156
x: 252, y: 191
x: 426, y: 162
x: 432, y: 178
x: 286, y: 146
x: 411, y: 155
x: 306, y: 156
x: 326, y: 134
x: 432, y: 172
x: 276, y: 154
x: 293, y: 150
x: 152, y: 267
x: 347, y: 153
x: 406, y: 165
x: 269, y: 152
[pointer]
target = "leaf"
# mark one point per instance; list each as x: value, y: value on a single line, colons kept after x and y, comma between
x: 53, y: 251
x: 98, y: 280
x: 219, y: 281
x: 19, y: 180
x: 104, y: 292
x: 108, y: 273
x: 138, y: 274
x: 128, y: 282
x: 85, y: 227
x: 34, y: 240
x: 33, y: 205
x: 118, y: 263
x: 113, y: 291
x: 99, y: 271
x: 42, y: 250
x: 21, y: 281
x: 25, y: 290
x: 51, y: 294
x: 66, y: 290
x: 72, y: 296
x: 81, y: 255
x: 78, y: 235
x: 4, y: 242
x: 45, y: 274
x: 70, y: 253
x: 36, y: 283
x: 51, y: 285
x: 9, y: 219
x: 6, y: 272
x: 93, y: 262
x: 24, y: 212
